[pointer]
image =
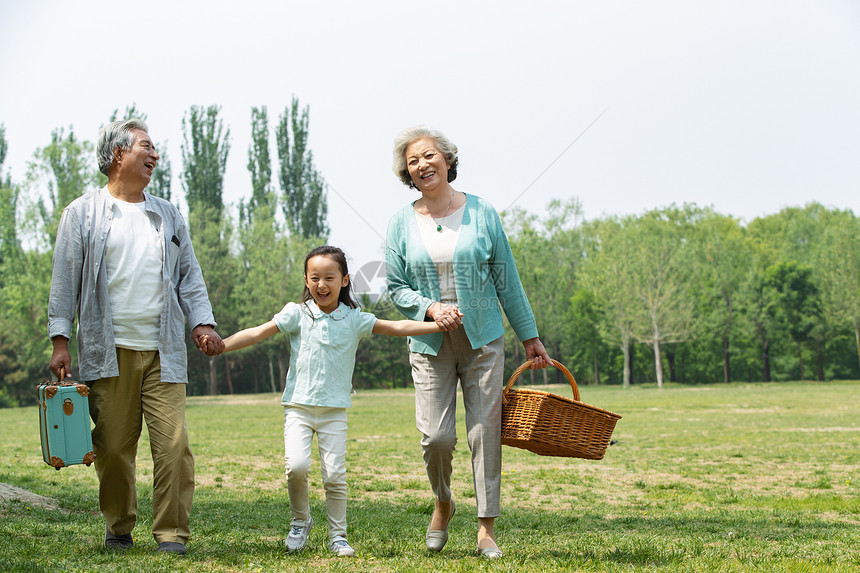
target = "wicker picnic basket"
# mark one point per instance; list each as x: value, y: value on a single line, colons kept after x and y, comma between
x: 551, y: 425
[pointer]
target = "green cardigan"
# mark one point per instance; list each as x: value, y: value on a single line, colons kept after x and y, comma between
x: 485, y: 277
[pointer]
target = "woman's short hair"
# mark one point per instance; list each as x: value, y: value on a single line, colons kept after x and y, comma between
x: 407, y: 136
x: 113, y: 135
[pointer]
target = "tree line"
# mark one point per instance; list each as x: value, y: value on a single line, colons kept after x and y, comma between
x: 677, y: 294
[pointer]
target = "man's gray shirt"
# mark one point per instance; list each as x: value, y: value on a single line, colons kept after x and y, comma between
x: 79, y: 283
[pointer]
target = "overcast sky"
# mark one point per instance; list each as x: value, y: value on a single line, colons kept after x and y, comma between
x: 746, y: 106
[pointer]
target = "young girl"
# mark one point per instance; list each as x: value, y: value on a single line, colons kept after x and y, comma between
x: 324, y: 331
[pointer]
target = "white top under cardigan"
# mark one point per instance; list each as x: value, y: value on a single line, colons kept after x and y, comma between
x: 440, y: 246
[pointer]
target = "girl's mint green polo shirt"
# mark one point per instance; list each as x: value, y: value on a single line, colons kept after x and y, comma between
x: 322, y: 352
x: 485, y: 277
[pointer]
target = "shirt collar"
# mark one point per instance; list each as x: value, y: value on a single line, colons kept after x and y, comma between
x: 339, y: 313
x: 110, y: 200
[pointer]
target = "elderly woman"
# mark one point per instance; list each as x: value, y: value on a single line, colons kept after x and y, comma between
x: 448, y: 260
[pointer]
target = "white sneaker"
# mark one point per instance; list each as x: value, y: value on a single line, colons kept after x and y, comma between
x: 298, y: 536
x: 340, y: 547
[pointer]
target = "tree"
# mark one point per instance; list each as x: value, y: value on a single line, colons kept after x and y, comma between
x: 797, y: 301
x: 260, y: 163
x: 206, y: 144
x: 585, y: 316
x: 270, y: 275
x: 608, y: 256
x: 9, y: 245
x: 304, y: 191
x: 660, y: 281
x: 24, y: 284
x: 724, y: 258
x: 839, y: 269
x: 547, y: 251
x: 9, y: 254
x: 204, y: 157
x: 68, y: 166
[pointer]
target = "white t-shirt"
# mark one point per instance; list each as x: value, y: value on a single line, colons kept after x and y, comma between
x: 440, y: 246
x: 133, y: 256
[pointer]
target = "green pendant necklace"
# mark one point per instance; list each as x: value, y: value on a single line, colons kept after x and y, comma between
x: 438, y: 224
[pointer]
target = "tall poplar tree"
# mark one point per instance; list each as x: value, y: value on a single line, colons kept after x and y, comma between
x: 260, y: 163
x: 204, y: 156
x: 304, y: 190
x: 266, y: 263
x: 206, y: 144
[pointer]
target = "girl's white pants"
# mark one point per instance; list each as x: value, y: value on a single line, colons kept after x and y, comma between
x: 329, y: 424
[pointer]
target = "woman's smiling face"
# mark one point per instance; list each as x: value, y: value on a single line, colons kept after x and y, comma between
x: 426, y: 164
x: 324, y: 281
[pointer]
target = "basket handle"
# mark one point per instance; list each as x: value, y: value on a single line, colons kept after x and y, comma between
x: 525, y: 366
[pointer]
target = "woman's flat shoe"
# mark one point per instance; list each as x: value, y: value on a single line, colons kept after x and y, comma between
x: 491, y: 552
x: 436, y: 538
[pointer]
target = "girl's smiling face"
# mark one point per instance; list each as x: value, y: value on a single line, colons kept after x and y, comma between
x: 324, y: 280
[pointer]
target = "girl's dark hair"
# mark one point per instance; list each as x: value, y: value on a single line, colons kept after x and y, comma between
x: 339, y: 257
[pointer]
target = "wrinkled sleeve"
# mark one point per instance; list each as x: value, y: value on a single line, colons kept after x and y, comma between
x: 68, y: 262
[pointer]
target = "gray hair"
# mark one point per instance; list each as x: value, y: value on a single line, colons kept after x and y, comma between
x: 407, y: 136
x: 113, y: 135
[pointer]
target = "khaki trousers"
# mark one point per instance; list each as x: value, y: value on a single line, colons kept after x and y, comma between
x: 118, y: 406
x: 481, y: 376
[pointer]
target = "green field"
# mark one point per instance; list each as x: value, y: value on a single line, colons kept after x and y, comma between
x: 743, y: 477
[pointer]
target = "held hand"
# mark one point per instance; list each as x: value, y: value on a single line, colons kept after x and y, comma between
x: 535, y: 351
x: 61, y: 360
x: 213, y: 344
x: 447, y: 317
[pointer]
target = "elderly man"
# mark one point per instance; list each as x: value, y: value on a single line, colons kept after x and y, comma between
x: 123, y: 260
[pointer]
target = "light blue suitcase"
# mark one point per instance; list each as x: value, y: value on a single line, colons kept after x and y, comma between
x: 64, y: 420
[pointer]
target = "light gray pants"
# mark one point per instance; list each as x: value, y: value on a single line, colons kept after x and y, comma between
x: 481, y: 375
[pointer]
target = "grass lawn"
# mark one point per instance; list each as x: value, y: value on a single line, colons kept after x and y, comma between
x: 741, y: 477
